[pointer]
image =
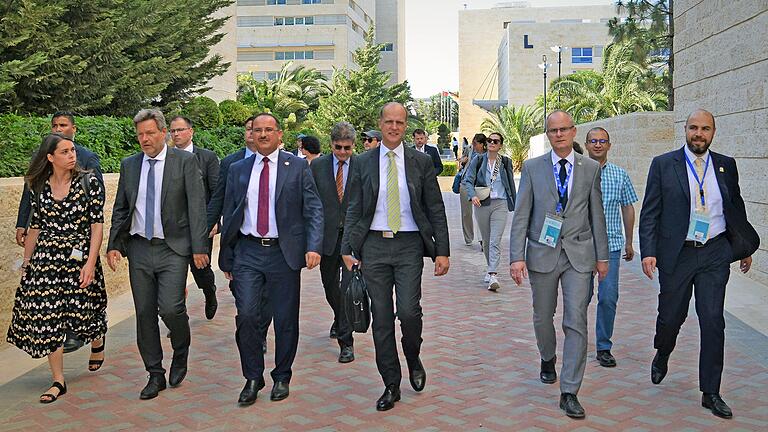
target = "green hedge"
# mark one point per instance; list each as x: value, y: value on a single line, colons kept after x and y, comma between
x: 449, y: 168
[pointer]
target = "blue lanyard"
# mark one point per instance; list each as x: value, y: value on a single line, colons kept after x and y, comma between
x: 562, y: 189
x: 696, y: 176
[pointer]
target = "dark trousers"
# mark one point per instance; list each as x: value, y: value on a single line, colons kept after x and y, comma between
x: 703, y: 271
x: 398, y: 262
x: 158, y: 277
x: 336, y: 277
x: 261, y: 271
x: 204, y: 277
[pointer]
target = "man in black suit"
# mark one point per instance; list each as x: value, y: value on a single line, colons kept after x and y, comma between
x: 692, y: 206
x: 63, y: 123
x: 331, y: 173
x: 395, y: 218
x: 272, y: 228
x: 420, y: 144
x: 156, y: 223
x: 182, y: 133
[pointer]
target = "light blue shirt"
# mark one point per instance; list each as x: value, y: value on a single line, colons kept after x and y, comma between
x: 497, y: 187
x: 617, y: 192
x: 248, y: 153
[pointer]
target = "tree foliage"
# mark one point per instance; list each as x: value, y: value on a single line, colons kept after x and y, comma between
x: 443, y: 135
x: 204, y: 113
x: 517, y: 125
x: 105, y: 57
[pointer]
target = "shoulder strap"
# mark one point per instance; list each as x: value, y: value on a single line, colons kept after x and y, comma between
x: 85, y: 181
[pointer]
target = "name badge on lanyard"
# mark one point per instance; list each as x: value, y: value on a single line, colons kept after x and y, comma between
x: 553, y: 223
x: 698, y: 226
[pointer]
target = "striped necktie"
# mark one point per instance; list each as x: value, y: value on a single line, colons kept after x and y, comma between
x: 393, y: 194
x: 340, y: 181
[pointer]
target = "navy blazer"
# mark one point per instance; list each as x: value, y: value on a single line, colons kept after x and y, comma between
x: 298, y: 210
x: 216, y: 203
x: 666, y: 208
x: 437, y: 163
x: 476, y: 175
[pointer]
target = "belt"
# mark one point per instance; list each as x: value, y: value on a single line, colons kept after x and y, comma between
x: 266, y: 242
x: 695, y: 244
x: 390, y: 234
x: 154, y: 241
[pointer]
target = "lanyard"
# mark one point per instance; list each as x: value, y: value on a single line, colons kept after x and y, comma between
x: 696, y: 176
x: 562, y: 189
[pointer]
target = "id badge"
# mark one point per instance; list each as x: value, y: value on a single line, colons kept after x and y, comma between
x: 76, y: 254
x: 698, y: 228
x: 550, y: 232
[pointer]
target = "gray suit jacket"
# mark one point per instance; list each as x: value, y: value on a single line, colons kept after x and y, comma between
x: 583, y: 235
x: 209, y: 167
x: 182, y: 204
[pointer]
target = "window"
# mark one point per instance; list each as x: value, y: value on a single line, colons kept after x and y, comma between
x: 299, y: 55
x: 279, y: 21
x: 273, y: 76
x: 310, y: 20
x: 276, y: 2
x: 289, y: 55
x: 289, y: 21
x: 311, y: 1
x: 388, y: 47
x: 309, y: 55
x: 299, y: 20
x: 294, y: 55
x: 280, y: 55
x: 581, y: 55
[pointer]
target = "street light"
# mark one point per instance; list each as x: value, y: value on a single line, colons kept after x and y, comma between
x: 559, y: 50
x: 544, y: 66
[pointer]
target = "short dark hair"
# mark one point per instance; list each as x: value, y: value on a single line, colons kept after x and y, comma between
x: 68, y: 114
x: 480, y: 137
x: 248, y: 120
x: 179, y: 117
x: 501, y: 137
x: 596, y: 129
x: 310, y: 144
x: 277, y: 122
x: 419, y: 132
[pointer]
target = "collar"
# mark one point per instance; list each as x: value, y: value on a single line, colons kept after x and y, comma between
x: 160, y: 156
x: 556, y: 159
x: 692, y: 156
x: 248, y: 153
x: 336, y: 161
x: 399, y: 151
x: 190, y: 148
x: 272, y: 156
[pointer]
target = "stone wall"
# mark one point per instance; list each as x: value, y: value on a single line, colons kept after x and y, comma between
x: 10, y: 253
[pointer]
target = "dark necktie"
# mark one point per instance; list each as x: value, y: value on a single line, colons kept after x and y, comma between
x: 563, y: 175
x: 340, y: 181
x: 262, y: 218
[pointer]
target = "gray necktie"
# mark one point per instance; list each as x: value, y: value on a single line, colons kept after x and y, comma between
x: 149, y: 214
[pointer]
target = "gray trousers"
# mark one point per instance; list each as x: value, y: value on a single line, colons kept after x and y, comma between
x: 467, y: 225
x: 491, y: 220
x: 575, y: 287
x: 158, y: 277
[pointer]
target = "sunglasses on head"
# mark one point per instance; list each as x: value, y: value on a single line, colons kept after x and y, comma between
x: 341, y: 147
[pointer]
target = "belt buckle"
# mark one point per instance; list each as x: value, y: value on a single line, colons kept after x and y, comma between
x: 698, y: 244
x: 265, y: 242
x: 388, y: 234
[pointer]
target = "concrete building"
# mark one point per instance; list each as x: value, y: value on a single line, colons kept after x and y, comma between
x: 500, y: 48
x: 321, y: 34
x: 225, y: 86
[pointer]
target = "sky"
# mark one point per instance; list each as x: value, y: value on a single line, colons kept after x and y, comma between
x: 431, y: 40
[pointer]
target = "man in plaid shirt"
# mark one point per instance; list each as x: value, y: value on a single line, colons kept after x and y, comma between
x: 618, y: 197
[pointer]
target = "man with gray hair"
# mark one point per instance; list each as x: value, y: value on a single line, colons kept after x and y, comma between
x: 156, y: 223
x: 331, y: 173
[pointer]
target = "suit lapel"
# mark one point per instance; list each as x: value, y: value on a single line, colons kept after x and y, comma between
x: 282, y: 166
x: 134, y: 174
x: 549, y: 179
x: 577, y: 174
x: 682, y: 173
x: 170, y: 161
x: 410, y: 171
x: 717, y: 165
x: 245, y: 178
x: 374, y: 171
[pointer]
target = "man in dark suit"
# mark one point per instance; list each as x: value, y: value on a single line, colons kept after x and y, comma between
x: 692, y: 204
x: 63, y: 123
x: 395, y: 218
x: 156, y: 223
x: 331, y: 173
x: 273, y: 227
x: 420, y: 144
x: 182, y: 133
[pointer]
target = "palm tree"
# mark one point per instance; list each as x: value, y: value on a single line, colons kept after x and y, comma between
x: 517, y: 125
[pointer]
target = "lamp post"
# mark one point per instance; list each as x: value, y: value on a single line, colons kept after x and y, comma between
x: 544, y: 66
x: 559, y: 50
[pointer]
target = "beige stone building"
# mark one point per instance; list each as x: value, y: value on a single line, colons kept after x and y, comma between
x: 500, y: 48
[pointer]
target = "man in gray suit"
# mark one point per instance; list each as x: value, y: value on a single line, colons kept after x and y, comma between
x: 559, y: 212
x: 157, y: 222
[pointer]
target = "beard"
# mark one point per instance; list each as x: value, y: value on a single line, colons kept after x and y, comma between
x: 698, y: 148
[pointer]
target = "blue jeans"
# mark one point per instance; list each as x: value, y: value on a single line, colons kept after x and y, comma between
x: 607, y: 298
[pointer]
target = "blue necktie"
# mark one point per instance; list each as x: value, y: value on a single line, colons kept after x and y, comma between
x: 149, y: 213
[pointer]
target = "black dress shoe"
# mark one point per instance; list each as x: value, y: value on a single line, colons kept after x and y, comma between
x: 176, y: 375
x: 388, y: 399
x: 605, y: 358
x: 250, y: 391
x: 211, y: 304
x: 279, y: 391
x: 72, y: 343
x: 347, y: 354
x: 548, y: 374
x: 716, y: 404
x: 417, y: 375
x: 570, y: 404
x: 334, y: 332
x: 659, y: 367
x: 155, y: 385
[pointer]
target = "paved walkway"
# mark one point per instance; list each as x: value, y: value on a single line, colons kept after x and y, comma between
x: 479, y: 352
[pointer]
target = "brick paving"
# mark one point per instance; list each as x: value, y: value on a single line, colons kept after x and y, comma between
x: 479, y: 352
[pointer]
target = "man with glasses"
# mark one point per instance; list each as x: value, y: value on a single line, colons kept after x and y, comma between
x: 558, y: 238
x: 618, y: 197
x: 181, y: 133
x: 331, y: 173
x: 371, y: 139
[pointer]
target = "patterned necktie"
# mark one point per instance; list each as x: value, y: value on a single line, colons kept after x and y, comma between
x: 149, y: 209
x: 340, y: 181
x: 699, y: 163
x: 262, y: 218
x: 393, y: 194
x: 563, y: 175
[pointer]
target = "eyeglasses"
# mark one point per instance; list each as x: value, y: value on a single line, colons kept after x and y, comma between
x: 562, y: 130
x: 493, y: 141
x: 341, y: 147
x: 179, y: 130
x: 601, y: 141
x: 268, y: 130
x: 368, y: 139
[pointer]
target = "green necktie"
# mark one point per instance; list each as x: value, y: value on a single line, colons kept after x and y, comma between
x: 393, y: 194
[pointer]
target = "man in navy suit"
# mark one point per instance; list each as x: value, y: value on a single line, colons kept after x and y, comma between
x: 420, y: 144
x: 273, y: 227
x: 691, y: 208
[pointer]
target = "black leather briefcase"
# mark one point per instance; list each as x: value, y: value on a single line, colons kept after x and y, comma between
x: 357, y: 305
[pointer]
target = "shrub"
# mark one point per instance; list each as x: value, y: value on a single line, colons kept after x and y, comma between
x: 233, y: 113
x: 221, y: 140
x: 449, y: 168
x: 204, y: 113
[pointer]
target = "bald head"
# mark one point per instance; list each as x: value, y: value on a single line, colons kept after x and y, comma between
x: 560, y: 115
x: 699, y: 131
x: 701, y: 114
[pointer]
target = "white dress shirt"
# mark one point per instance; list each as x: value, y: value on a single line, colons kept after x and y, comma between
x: 252, y: 199
x: 137, y: 222
x: 556, y: 162
x: 380, y: 223
x: 713, y: 198
x: 422, y: 149
x: 190, y: 148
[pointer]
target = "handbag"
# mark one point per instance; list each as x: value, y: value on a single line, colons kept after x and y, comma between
x: 743, y: 238
x: 357, y: 304
x: 456, y: 182
x: 484, y: 192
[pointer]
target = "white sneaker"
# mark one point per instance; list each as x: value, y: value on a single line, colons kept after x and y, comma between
x: 487, y: 278
x: 493, y: 283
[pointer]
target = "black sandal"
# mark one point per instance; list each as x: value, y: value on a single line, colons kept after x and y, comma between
x: 52, y: 397
x: 96, y: 350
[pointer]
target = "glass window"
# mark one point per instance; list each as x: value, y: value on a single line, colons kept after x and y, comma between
x: 310, y: 20
x: 288, y: 20
x: 289, y: 55
x: 279, y: 55
x: 309, y: 55
x: 388, y: 47
x: 299, y: 55
x: 281, y: 2
x: 278, y: 21
x: 581, y: 55
x: 299, y: 20
x: 272, y: 76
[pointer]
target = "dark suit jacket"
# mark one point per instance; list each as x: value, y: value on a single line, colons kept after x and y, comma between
x: 426, y: 202
x: 298, y: 210
x: 216, y: 203
x: 209, y: 167
x: 477, y: 176
x: 333, y: 210
x: 437, y: 163
x: 667, y: 205
x: 182, y: 203
x: 87, y: 160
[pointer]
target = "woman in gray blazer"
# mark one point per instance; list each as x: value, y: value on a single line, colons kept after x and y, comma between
x: 490, y: 185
